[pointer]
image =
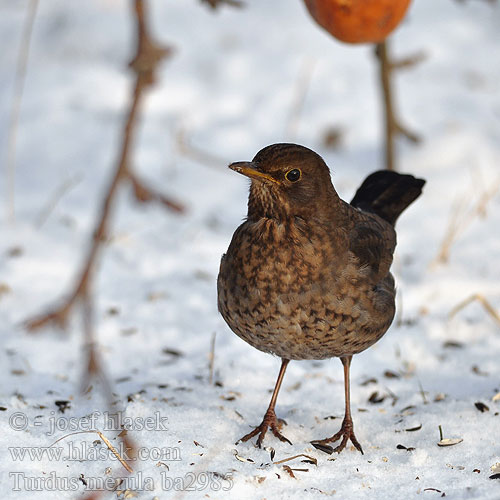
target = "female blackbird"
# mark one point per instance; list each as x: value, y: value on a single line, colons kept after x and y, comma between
x: 306, y: 276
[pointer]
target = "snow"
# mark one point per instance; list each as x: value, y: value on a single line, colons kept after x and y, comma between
x: 231, y: 88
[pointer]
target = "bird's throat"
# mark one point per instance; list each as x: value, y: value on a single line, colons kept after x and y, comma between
x: 266, y: 202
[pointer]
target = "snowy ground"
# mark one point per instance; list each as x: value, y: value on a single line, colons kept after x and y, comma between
x: 231, y: 89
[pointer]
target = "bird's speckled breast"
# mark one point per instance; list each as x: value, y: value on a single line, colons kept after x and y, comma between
x: 282, y: 290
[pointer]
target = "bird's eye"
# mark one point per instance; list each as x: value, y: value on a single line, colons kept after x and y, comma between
x: 293, y: 175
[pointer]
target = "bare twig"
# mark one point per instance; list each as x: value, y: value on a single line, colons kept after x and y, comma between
x: 144, y: 64
x: 197, y: 154
x: 145, y: 194
x: 300, y: 92
x: 216, y: 3
x: 392, y: 125
x: 409, y: 61
x: 20, y: 77
x: 482, y: 300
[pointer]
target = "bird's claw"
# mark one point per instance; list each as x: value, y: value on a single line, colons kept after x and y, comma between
x: 346, y: 432
x: 269, y: 421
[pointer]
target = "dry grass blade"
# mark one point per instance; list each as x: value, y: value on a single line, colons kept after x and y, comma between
x: 455, y: 226
x: 300, y: 92
x: 20, y: 77
x: 410, y: 61
x: 482, y: 300
x: 65, y: 186
x: 214, y: 4
x: 211, y: 359
x: 312, y: 459
x: 197, y: 154
x: 115, y: 452
x: 462, y: 216
x: 106, y: 441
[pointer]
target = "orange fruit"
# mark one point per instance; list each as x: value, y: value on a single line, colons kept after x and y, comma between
x: 358, y: 21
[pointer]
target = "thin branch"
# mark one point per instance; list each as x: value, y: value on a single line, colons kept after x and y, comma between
x: 411, y: 136
x: 392, y: 125
x: 145, y: 194
x: 409, y: 61
x: 144, y: 64
x: 20, y: 77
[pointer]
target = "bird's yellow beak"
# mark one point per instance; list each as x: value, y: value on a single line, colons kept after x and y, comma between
x: 249, y: 169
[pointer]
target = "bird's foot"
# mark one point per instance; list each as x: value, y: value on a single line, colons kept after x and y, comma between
x: 269, y: 421
x: 346, y: 432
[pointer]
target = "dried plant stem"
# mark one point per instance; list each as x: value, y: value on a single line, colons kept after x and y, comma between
x: 20, y: 77
x: 211, y: 359
x: 299, y: 96
x: 114, y: 451
x: 61, y: 190
x: 482, y: 300
x: 93, y: 367
x: 461, y: 218
x: 294, y: 457
x: 216, y: 3
x: 197, y: 154
x: 107, y: 442
x: 422, y: 392
x: 393, y: 127
x: 144, y: 64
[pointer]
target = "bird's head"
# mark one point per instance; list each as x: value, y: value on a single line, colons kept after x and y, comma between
x: 287, y: 180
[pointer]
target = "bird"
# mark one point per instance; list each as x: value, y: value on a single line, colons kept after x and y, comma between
x: 307, y: 275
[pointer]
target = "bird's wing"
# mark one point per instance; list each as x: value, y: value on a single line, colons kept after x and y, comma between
x: 372, y: 240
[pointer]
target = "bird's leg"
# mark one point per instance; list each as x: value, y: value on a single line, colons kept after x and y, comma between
x: 347, y: 430
x: 270, y: 419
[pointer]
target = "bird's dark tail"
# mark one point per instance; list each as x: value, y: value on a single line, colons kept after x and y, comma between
x: 387, y: 194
